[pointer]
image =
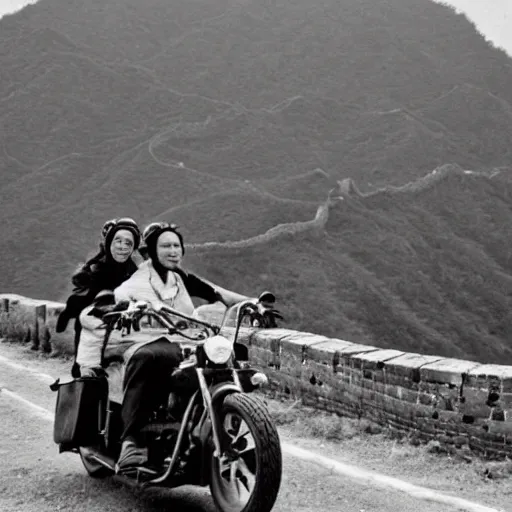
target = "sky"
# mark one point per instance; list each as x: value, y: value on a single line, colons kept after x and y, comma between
x: 492, y: 17
x: 9, y: 6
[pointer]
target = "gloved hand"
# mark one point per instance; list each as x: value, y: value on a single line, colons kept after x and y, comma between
x: 267, y: 314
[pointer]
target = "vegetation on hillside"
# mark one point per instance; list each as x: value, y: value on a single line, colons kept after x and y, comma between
x: 232, y: 117
x: 425, y: 269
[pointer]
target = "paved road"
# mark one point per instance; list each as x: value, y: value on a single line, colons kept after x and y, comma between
x: 34, y: 477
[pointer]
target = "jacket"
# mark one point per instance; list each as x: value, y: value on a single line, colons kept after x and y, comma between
x: 145, y: 285
x: 99, y: 273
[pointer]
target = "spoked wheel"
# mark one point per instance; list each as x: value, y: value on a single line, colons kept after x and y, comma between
x: 247, y: 476
x: 95, y: 469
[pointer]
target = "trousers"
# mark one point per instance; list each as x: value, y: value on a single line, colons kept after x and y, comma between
x: 147, y: 383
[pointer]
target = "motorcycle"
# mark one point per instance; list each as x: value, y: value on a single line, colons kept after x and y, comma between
x: 211, y: 432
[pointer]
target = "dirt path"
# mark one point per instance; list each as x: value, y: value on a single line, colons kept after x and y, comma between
x: 34, y: 477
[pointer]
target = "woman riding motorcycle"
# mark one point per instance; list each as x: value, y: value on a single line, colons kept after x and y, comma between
x: 148, y: 363
x: 113, y: 264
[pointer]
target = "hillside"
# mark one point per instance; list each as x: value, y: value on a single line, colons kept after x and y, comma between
x: 232, y: 117
x: 421, y: 268
x: 237, y: 214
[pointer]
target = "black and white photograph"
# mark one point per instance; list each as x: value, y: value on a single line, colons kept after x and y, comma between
x: 256, y: 255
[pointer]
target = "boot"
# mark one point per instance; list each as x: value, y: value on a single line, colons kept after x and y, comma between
x: 131, y: 455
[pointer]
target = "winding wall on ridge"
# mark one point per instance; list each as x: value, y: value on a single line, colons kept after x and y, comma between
x: 458, y: 403
x: 291, y: 228
x: 346, y: 189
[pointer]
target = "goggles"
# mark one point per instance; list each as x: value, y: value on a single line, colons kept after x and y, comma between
x: 152, y: 228
x: 126, y: 222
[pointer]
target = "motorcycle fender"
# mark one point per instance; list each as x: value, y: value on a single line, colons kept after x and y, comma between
x: 222, y: 391
x: 218, y: 394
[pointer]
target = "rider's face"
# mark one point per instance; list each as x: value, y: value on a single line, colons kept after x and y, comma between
x: 122, y: 245
x: 168, y: 250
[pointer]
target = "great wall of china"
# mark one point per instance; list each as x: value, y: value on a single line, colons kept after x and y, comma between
x: 461, y: 404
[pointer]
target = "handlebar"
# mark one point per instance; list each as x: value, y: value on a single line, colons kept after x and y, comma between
x: 135, y: 310
x: 237, y: 310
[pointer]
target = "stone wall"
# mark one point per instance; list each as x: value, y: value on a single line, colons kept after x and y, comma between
x: 463, y: 404
x: 317, y: 224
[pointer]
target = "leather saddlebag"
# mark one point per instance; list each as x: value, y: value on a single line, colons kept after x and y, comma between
x: 78, y: 414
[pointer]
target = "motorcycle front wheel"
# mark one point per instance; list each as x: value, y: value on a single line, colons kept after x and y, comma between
x: 247, y: 477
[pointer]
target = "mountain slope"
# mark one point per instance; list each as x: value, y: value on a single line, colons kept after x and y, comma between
x: 239, y: 214
x: 403, y: 268
x: 233, y: 117
x: 275, y: 88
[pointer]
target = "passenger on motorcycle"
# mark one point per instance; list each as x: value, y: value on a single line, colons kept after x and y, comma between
x: 113, y: 264
x: 148, y: 364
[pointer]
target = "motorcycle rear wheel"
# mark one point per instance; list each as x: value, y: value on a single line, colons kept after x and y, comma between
x: 248, y: 479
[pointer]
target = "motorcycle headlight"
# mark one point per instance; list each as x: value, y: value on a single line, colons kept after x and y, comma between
x: 218, y: 349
